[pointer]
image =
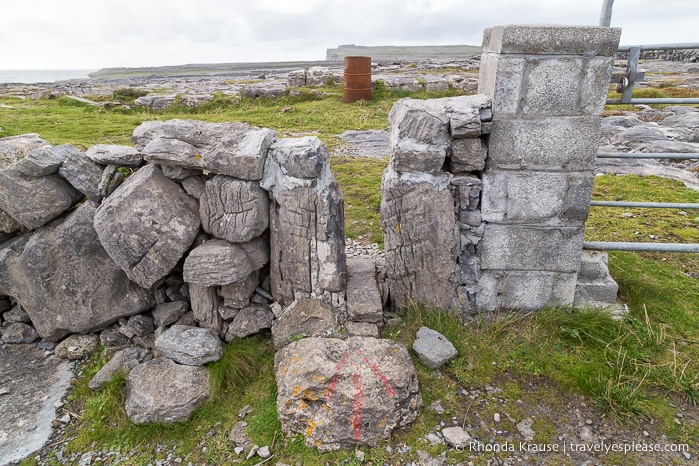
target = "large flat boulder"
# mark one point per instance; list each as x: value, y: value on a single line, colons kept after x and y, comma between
x: 147, y: 225
x: 344, y: 393
x: 66, y: 281
x: 234, y: 149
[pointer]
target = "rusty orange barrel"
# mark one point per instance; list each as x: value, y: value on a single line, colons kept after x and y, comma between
x: 357, y: 80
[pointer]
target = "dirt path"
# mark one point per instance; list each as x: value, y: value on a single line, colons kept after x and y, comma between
x: 32, y: 383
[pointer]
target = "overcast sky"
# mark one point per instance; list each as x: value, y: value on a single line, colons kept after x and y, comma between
x: 92, y: 34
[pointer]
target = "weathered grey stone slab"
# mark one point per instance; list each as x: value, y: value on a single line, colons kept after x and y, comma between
x: 524, y: 247
x: 192, y: 346
x: 468, y: 155
x: 307, y: 242
x: 86, y: 292
x: 250, y: 320
x: 238, y: 293
x: 111, y: 154
x: 264, y: 89
x: 234, y: 210
x: 417, y: 217
x: 304, y: 317
x: 205, y: 304
x: 19, y: 332
x: 194, y: 186
x: 200, y: 134
x: 8, y: 224
x: 363, y: 297
x: 456, y: 437
x: 319, y: 76
x: 433, y: 348
x: 147, y: 225
x: 137, y: 326
x: 362, y: 329
x: 168, y: 313
x: 419, y: 135
x: 304, y: 157
x: 218, y: 262
x: 77, y: 347
x: 306, y: 234
x: 536, y: 198
x: 111, y: 180
x: 123, y: 361
x: 178, y: 173
x: 45, y: 160
x: 83, y: 174
x: 156, y: 102
x: 43, y: 198
x: 363, y: 388
x: 161, y: 391
x: 233, y: 149
x: 242, y: 157
x: 13, y: 148
x: 296, y: 78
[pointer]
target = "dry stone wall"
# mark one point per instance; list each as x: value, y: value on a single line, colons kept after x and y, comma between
x: 194, y: 226
x: 485, y: 197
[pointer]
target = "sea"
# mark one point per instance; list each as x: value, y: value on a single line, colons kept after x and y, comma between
x: 41, y: 76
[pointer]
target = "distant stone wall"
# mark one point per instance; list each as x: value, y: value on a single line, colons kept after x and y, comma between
x: 485, y: 198
x: 683, y: 55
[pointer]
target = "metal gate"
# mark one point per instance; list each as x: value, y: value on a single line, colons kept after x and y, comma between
x: 625, y: 83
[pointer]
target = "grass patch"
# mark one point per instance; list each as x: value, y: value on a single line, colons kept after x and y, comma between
x: 360, y: 182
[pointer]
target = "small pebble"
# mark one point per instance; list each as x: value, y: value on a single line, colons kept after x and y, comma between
x: 496, y: 417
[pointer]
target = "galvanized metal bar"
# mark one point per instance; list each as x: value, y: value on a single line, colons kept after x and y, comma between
x: 649, y: 155
x: 680, y: 46
x: 645, y: 205
x: 631, y: 67
x: 674, y: 101
x: 605, y: 17
x: 650, y: 247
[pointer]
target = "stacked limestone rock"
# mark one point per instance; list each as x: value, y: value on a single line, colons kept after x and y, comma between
x: 221, y: 231
x: 430, y: 199
x: 180, y: 247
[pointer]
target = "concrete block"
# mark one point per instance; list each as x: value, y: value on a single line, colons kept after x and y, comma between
x: 560, y: 143
x: 542, y: 198
x: 468, y: 155
x: 552, y: 40
x: 593, y: 265
x: 593, y: 94
x: 500, y: 77
x: 514, y: 247
x: 603, y: 290
x: 529, y: 291
x: 552, y: 86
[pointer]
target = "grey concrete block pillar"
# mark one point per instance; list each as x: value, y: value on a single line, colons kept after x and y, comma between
x: 548, y: 85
